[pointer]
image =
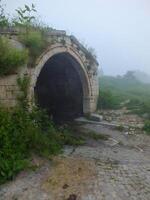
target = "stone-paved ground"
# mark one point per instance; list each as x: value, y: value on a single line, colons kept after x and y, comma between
x: 116, y: 169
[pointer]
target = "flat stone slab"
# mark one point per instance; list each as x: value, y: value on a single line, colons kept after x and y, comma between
x: 103, y: 123
x: 96, y: 117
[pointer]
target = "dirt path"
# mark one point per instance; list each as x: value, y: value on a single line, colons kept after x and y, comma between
x: 113, y: 169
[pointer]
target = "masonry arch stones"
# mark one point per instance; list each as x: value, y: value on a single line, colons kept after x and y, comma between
x: 86, y: 84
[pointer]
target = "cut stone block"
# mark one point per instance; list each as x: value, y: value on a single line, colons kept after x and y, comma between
x: 96, y: 117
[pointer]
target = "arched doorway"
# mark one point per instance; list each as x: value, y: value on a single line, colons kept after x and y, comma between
x: 59, y: 88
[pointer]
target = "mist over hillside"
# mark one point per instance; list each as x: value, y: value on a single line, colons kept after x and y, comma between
x: 140, y: 76
x: 133, y: 87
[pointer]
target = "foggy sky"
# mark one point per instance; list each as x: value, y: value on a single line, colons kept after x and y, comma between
x: 119, y: 30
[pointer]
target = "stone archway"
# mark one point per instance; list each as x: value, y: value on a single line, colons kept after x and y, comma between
x: 58, y: 42
x: 76, y: 66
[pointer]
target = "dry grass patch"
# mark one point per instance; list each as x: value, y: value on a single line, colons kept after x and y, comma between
x: 70, y: 176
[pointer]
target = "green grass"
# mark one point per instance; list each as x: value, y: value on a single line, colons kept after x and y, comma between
x: 11, y: 58
x: 35, y: 42
x: 83, y: 134
x: 71, y: 135
x: 115, y: 90
x: 96, y: 136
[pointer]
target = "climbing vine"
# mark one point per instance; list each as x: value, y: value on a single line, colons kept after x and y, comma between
x: 23, y: 84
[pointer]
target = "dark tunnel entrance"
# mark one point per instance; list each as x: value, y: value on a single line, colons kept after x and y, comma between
x: 59, y: 88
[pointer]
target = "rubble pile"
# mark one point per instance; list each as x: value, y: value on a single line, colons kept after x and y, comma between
x: 123, y: 118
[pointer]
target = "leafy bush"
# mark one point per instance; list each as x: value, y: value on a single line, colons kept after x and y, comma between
x: 147, y: 127
x: 35, y: 42
x: 10, y: 58
x: 22, y: 133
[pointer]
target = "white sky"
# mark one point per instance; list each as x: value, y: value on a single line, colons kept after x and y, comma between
x: 119, y: 30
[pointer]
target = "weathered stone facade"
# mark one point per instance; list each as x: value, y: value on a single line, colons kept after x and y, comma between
x: 59, y: 42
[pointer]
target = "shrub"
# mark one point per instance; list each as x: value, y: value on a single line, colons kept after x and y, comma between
x: 35, y: 43
x: 10, y: 58
x: 23, y: 84
x: 21, y: 133
x: 147, y: 127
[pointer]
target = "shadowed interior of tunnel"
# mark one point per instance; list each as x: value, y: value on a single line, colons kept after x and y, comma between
x: 59, y: 88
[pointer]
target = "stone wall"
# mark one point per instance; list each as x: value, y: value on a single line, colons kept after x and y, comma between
x: 8, y: 91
